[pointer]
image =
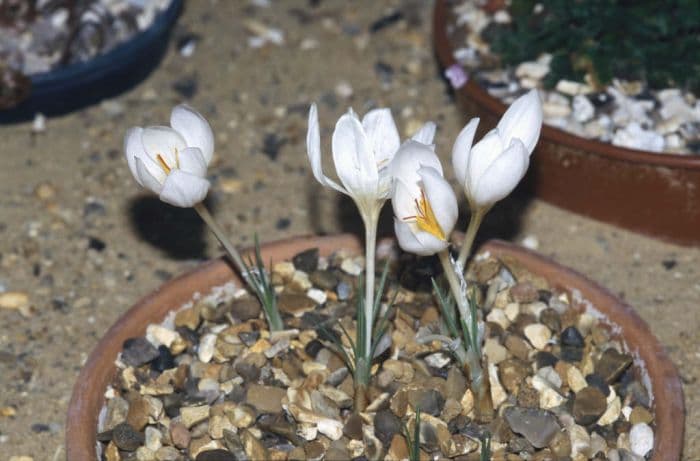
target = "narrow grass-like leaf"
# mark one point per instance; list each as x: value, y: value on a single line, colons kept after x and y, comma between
x: 257, y: 279
x: 379, y: 292
x: 485, y: 448
x: 446, y: 304
x: 415, y: 441
x: 474, y: 327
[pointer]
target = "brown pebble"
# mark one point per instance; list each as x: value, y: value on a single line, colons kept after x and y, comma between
x: 179, y: 435
x: 486, y: 270
x: 518, y: 346
x: 512, y: 374
x: 528, y: 397
x: 188, y: 318
x: 589, y: 405
x: 641, y: 415
x: 137, y: 416
x: 524, y: 292
x: 561, y: 445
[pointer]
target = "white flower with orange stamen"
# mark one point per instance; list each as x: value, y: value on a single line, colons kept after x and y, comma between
x: 425, y: 206
x: 172, y: 161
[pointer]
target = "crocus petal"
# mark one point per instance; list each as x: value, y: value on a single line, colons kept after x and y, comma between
x: 380, y: 129
x: 133, y: 147
x: 313, y: 150
x: 150, y: 178
x: 184, y: 189
x: 407, y: 239
x: 462, y: 148
x: 425, y: 134
x: 522, y: 120
x: 192, y: 161
x: 163, y: 141
x: 429, y: 243
x: 403, y: 199
x: 411, y: 156
x: 441, y: 198
x: 502, y: 175
x: 353, y: 157
x: 194, y: 128
x: 482, y: 156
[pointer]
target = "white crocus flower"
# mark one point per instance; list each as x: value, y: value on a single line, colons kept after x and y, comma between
x: 172, y: 161
x: 362, y: 150
x: 425, y: 207
x: 491, y: 169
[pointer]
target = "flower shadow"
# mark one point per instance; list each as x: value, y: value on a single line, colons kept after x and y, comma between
x: 179, y: 232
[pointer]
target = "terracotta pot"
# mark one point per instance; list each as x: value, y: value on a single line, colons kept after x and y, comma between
x: 88, y: 393
x: 649, y: 193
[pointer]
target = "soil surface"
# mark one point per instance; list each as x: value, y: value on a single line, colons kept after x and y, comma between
x: 84, y: 243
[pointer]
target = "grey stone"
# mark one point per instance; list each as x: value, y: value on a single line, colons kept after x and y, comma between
x: 306, y: 261
x: 386, y: 424
x: 126, y: 438
x: 538, y: 426
x: 138, y: 351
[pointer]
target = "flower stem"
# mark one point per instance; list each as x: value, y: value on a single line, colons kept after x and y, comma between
x: 370, y: 249
x: 469, y: 236
x: 219, y: 233
x: 473, y: 356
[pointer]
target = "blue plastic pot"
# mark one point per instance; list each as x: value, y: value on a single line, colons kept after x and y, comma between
x: 77, y: 85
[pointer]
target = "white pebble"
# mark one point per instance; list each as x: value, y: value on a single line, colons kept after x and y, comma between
x: 532, y: 69
x: 317, y: 295
x: 633, y: 136
x: 583, y: 108
x: 157, y: 335
x: 343, y: 89
x: 538, y: 335
x: 641, y: 439
x: 350, y: 266
x: 206, y: 348
x: 39, y: 123
x: 531, y: 242
x: 573, y: 88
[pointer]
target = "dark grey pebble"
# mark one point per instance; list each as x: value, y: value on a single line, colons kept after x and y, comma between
x: 538, y: 426
x: 248, y: 371
x: 571, y: 337
x: 545, y: 359
x: 164, y: 361
x: 598, y: 382
x: 386, y: 424
x: 249, y: 337
x: 216, y: 455
x: 306, y: 261
x: 138, y: 351
x: 126, y: 437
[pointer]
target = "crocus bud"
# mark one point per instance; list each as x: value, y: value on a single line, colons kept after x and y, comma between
x: 491, y: 169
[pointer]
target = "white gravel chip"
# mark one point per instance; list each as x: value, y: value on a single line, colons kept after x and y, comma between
x: 641, y: 439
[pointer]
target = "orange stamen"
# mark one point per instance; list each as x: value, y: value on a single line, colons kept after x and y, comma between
x: 425, y: 218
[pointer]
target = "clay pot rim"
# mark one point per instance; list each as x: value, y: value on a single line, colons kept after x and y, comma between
x: 444, y: 51
x: 88, y: 392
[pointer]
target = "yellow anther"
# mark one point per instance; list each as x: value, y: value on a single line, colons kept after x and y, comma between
x: 162, y: 163
x: 425, y: 218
